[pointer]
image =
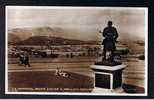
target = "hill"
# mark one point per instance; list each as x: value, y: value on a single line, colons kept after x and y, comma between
x: 45, y: 40
x: 44, y: 35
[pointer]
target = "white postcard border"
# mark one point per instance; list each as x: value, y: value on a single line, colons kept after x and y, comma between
x: 68, y: 93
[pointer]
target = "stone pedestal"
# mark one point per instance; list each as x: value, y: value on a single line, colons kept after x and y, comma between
x: 108, y: 77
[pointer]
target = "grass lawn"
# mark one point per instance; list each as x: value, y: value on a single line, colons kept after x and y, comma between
x: 49, y: 82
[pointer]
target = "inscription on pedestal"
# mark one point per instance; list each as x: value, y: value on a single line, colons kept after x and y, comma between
x: 102, y: 80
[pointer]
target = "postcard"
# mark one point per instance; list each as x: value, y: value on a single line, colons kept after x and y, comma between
x: 55, y: 50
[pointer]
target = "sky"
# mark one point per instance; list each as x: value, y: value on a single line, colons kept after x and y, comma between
x: 85, y: 21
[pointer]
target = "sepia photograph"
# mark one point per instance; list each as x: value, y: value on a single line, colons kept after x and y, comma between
x: 56, y: 50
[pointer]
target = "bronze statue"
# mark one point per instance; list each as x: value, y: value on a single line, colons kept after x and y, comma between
x: 110, y: 35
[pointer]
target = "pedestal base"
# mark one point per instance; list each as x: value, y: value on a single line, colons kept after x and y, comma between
x: 108, y: 77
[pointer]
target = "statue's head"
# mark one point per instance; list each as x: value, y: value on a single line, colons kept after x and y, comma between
x: 109, y: 23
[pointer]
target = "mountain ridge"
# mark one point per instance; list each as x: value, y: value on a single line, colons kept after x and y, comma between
x: 45, y: 40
